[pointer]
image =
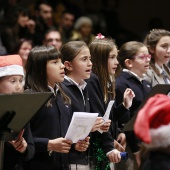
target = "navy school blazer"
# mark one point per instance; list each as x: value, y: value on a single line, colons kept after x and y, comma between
x: 77, y: 104
x: 50, y: 122
x: 141, y: 90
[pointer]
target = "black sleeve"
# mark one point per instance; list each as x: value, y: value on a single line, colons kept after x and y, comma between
x: 96, y: 98
x: 130, y: 136
x: 107, y: 141
x: 120, y: 89
x: 29, y: 139
x: 97, y: 105
x: 120, y: 114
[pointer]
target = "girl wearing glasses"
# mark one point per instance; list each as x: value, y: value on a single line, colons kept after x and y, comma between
x: 158, y: 43
x: 134, y: 60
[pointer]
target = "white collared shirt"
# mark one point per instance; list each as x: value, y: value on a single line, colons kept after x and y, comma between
x: 81, y: 86
x: 54, y: 90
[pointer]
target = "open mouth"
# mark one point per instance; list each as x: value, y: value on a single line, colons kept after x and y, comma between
x: 63, y: 73
x: 147, y: 66
x: 88, y: 71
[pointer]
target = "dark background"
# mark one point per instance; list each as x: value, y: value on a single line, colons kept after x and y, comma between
x: 121, y: 19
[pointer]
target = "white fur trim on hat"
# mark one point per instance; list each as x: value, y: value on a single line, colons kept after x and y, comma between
x: 11, y: 70
x: 160, y: 137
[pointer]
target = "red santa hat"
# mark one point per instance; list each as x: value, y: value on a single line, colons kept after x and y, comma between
x: 152, y: 124
x: 11, y: 65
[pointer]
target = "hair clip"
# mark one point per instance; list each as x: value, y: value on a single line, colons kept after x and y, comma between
x: 100, y: 36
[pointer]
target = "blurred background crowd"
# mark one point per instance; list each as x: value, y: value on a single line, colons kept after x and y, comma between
x: 64, y: 20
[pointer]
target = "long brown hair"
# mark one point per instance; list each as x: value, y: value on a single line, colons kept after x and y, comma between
x: 100, y: 50
x: 151, y: 40
x: 36, y: 70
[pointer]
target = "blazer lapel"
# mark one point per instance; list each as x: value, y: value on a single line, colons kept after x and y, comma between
x: 65, y: 114
x: 159, y: 79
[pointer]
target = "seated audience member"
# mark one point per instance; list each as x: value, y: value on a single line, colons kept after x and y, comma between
x: 83, y: 30
x: 53, y: 37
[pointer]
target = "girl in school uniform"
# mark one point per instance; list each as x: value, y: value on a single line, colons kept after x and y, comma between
x: 12, y: 81
x: 101, y: 85
x: 134, y: 60
x: 78, y: 66
x: 158, y: 43
x: 44, y: 72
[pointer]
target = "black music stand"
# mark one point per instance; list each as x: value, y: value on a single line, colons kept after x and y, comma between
x: 158, y: 89
x: 16, y: 110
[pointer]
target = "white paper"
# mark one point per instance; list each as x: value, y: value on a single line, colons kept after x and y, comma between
x: 107, y: 113
x: 80, y: 126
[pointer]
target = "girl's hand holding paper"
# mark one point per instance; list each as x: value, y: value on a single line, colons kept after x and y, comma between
x: 105, y: 127
x: 98, y: 123
x: 82, y: 145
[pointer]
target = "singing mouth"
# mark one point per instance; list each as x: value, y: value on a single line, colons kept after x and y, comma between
x: 88, y: 71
